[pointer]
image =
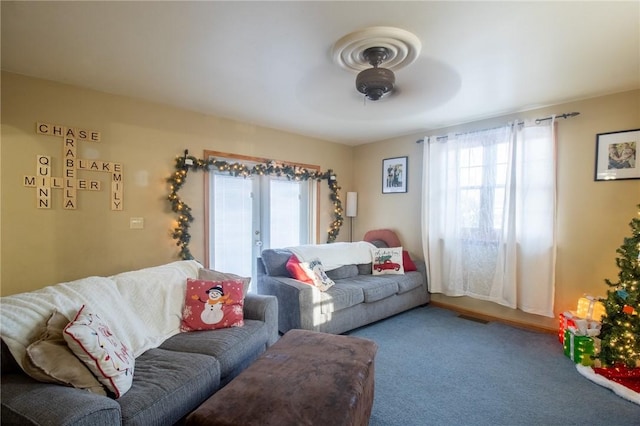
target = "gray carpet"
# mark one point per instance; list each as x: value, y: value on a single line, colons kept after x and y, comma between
x: 434, y: 368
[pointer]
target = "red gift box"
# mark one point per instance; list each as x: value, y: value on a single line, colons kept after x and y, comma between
x: 566, y: 320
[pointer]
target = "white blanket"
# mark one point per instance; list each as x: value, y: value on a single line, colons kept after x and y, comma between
x: 156, y: 295
x: 335, y: 255
x: 142, y: 313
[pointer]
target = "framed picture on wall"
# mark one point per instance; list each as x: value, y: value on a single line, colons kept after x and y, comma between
x: 617, y: 155
x: 394, y: 175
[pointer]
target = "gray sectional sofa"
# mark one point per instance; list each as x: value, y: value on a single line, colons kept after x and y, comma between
x: 357, y: 298
x: 174, y: 373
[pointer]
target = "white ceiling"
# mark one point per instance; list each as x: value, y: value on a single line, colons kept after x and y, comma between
x: 269, y: 63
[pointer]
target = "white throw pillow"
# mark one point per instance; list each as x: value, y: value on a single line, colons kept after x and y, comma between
x: 92, y: 340
x: 387, y: 261
x: 316, y: 273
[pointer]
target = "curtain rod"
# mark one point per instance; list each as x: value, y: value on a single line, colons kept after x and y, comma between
x: 538, y: 121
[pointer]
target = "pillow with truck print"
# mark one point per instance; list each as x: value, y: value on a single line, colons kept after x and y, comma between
x: 387, y: 261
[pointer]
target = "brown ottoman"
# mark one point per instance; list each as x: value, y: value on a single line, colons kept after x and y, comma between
x: 305, y: 378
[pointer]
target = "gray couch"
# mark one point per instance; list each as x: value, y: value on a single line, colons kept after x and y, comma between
x: 357, y: 298
x: 169, y: 381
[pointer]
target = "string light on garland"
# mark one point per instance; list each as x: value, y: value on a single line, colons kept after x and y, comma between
x: 186, y: 163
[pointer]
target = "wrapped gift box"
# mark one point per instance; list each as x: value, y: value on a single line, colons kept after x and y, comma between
x: 579, y: 325
x: 578, y: 348
x: 587, y: 319
x: 565, y: 321
x: 591, y: 308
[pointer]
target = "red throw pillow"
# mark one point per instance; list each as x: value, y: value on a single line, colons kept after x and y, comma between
x: 310, y: 273
x: 407, y: 262
x: 212, y: 304
x: 296, y: 270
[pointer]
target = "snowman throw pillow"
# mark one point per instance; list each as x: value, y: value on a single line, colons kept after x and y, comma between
x: 212, y: 304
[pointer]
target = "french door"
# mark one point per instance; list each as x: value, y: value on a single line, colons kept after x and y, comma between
x: 249, y: 214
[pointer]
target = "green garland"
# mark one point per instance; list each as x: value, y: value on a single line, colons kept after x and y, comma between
x: 186, y: 162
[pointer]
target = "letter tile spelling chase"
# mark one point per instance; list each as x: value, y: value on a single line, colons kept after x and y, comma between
x: 70, y: 182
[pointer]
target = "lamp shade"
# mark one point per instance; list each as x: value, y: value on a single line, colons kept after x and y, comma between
x: 352, y: 204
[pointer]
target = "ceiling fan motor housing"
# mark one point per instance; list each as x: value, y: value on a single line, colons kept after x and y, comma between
x: 375, y: 82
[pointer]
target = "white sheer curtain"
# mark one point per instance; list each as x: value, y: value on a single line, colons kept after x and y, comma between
x: 489, y: 215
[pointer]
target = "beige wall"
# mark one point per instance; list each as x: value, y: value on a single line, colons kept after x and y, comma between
x: 41, y: 247
x: 46, y: 246
x: 593, y: 217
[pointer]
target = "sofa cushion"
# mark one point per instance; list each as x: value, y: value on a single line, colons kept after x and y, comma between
x: 341, y: 296
x: 167, y: 385
x: 409, y: 281
x: 275, y: 262
x: 379, y: 243
x: 359, y: 289
x: 343, y: 272
x: 378, y: 287
x: 364, y: 268
x: 50, y: 359
x: 230, y: 346
x: 109, y: 359
x: 212, y: 304
x: 213, y: 275
x: 26, y: 401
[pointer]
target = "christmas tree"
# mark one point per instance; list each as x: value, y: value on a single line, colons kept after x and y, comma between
x: 620, y: 334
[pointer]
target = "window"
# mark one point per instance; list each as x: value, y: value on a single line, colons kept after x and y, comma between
x: 232, y: 223
x: 482, y: 174
x: 489, y: 215
x: 288, y: 212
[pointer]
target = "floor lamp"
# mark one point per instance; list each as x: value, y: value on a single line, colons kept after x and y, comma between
x: 352, y: 210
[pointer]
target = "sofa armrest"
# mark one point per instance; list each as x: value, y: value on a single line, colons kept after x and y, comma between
x: 421, y: 266
x: 28, y: 402
x: 295, y: 301
x: 264, y: 308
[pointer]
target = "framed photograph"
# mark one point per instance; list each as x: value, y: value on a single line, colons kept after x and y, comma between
x: 617, y: 155
x: 394, y: 175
